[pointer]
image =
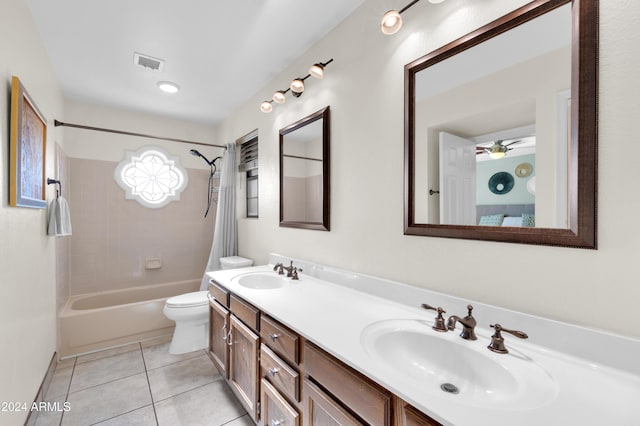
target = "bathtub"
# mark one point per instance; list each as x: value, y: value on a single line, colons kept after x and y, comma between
x: 96, y: 321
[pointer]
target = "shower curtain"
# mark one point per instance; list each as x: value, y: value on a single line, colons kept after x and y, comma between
x: 225, y: 233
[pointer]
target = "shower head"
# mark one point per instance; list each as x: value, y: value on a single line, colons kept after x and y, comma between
x: 197, y: 153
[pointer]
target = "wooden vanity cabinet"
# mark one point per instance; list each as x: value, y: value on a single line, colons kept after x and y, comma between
x: 219, y: 319
x: 276, y: 411
x: 322, y: 410
x: 352, y: 390
x: 407, y: 415
x: 244, y: 346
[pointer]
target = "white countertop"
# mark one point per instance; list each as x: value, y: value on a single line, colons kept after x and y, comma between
x: 334, y: 316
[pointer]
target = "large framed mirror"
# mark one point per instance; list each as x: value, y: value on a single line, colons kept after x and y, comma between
x: 501, y: 130
x: 304, y: 172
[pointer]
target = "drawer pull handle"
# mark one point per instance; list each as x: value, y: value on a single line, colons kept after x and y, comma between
x: 274, y: 336
x: 273, y: 371
x: 277, y: 422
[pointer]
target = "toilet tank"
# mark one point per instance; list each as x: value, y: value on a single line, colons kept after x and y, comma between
x: 233, y: 262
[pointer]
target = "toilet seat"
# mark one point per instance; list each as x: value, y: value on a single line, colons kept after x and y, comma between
x: 188, y: 300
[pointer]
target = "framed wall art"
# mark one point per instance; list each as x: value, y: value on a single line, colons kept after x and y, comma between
x: 28, y: 143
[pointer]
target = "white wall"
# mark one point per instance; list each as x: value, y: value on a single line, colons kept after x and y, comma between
x: 364, y: 87
x: 27, y: 255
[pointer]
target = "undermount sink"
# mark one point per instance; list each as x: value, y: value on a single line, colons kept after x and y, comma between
x: 445, y: 365
x: 262, y: 281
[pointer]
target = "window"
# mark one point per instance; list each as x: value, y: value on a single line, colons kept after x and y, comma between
x: 151, y: 177
x: 249, y: 165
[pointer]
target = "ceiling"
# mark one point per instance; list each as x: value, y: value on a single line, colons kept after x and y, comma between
x: 220, y: 53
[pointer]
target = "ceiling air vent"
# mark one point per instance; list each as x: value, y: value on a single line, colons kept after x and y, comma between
x: 148, y: 62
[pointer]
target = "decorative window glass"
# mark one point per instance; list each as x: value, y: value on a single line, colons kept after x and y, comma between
x: 151, y: 177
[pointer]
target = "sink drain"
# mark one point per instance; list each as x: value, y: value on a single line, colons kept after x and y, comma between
x: 449, y: 388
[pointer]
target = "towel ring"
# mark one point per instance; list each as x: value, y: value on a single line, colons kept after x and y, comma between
x: 57, y: 182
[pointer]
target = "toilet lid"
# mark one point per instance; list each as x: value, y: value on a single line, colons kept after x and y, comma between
x: 197, y: 298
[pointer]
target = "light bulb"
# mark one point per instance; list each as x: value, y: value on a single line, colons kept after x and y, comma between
x: 435, y: 1
x: 496, y: 155
x: 297, y: 87
x: 266, y: 107
x: 168, y: 87
x: 278, y: 97
x: 391, y: 22
x: 317, y: 71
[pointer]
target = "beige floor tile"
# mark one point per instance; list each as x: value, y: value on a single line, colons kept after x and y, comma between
x: 107, y: 353
x: 52, y: 415
x: 59, y: 385
x: 144, y: 416
x: 67, y: 362
x: 159, y: 356
x: 103, y: 370
x: 181, y: 377
x: 211, y: 405
x: 103, y: 402
x: 241, y: 421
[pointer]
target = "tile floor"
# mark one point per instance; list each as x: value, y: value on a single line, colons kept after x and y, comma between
x: 141, y: 384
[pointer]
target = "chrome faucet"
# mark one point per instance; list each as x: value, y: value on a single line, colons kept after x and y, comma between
x: 497, y: 341
x: 468, y: 324
x: 438, y: 325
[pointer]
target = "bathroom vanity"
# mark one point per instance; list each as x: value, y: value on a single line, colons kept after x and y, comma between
x: 336, y: 347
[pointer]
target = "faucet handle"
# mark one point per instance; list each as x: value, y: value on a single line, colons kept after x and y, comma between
x: 497, y: 341
x: 438, y: 325
x: 469, y: 309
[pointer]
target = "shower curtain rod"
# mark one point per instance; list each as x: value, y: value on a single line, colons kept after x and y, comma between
x: 142, y: 135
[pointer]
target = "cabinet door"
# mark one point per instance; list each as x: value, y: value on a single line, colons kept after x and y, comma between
x: 276, y: 411
x: 243, y: 365
x: 218, y: 331
x: 406, y: 415
x: 322, y: 410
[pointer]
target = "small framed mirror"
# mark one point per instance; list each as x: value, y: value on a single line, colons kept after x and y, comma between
x: 501, y: 130
x: 304, y: 172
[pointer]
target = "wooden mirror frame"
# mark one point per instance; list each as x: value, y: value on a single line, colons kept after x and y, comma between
x: 323, y: 115
x: 583, y: 158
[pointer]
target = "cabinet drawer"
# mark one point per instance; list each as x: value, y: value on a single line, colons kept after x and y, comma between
x: 275, y: 409
x: 280, y: 339
x: 219, y: 293
x: 283, y: 377
x: 321, y: 409
x: 355, y: 391
x: 247, y: 313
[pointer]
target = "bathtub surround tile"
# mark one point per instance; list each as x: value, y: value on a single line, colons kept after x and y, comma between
x: 211, y: 404
x: 159, y: 356
x: 108, y: 352
x: 103, y: 370
x: 105, y: 401
x: 182, y: 376
x: 144, y: 416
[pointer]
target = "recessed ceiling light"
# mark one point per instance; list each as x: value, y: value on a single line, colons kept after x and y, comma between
x: 169, y: 87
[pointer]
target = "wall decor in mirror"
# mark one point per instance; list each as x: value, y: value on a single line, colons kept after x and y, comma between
x: 501, y: 130
x: 304, y: 172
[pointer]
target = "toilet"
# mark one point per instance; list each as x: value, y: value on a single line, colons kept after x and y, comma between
x: 190, y: 311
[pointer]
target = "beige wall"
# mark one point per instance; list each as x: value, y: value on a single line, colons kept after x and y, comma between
x: 27, y: 255
x: 364, y: 86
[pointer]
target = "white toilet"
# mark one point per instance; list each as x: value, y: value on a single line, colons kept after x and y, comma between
x: 190, y: 311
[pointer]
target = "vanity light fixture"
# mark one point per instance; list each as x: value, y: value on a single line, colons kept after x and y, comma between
x: 296, y: 88
x: 168, y: 87
x: 392, y: 21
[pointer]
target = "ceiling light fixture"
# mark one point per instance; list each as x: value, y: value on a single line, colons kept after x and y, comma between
x: 392, y: 21
x: 168, y: 87
x: 296, y: 88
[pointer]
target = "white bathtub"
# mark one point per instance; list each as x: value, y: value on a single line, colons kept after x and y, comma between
x: 97, y: 321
